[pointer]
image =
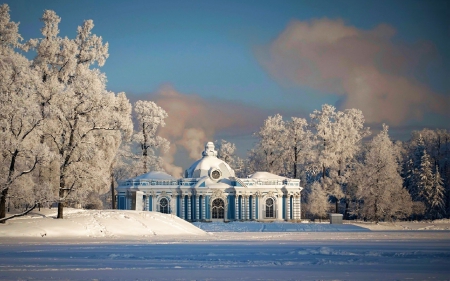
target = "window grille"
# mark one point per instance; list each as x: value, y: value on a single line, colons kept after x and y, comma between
x: 164, y: 206
x: 269, y: 208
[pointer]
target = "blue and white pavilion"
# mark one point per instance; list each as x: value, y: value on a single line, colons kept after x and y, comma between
x: 209, y: 191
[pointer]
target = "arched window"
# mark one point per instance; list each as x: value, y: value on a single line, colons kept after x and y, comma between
x: 164, y: 206
x: 269, y: 208
x: 218, y: 207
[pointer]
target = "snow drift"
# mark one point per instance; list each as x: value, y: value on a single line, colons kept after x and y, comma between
x: 97, y: 223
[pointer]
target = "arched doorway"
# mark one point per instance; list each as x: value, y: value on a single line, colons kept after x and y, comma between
x: 218, y: 209
x: 164, y: 206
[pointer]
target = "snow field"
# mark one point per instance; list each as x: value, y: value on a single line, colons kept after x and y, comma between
x: 131, y: 245
x: 330, y: 259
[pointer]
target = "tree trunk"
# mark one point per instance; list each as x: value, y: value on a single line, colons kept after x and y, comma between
x: 375, y: 207
x: 295, y: 162
x: 113, y: 195
x: 60, y: 210
x: 346, y: 209
x: 3, y: 204
x: 337, y: 206
x: 5, y: 191
x: 62, y: 186
x: 144, y: 148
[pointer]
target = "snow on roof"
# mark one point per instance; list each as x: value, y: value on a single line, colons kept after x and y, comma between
x: 207, y: 163
x: 155, y: 175
x: 265, y: 175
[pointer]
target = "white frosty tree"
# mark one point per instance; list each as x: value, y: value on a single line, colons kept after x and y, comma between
x: 318, y: 204
x: 431, y: 191
x: 225, y: 151
x: 436, y: 143
x: 270, y: 151
x: 150, y: 117
x: 19, y: 121
x: 436, y: 197
x: 338, y: 136
x: 380, y: 186
x: 81, y: 112
x: 298, y: 144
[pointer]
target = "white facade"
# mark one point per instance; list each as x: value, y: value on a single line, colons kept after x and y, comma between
x: 209, y: 191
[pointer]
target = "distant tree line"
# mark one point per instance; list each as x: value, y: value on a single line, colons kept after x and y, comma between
x: 339, y: 164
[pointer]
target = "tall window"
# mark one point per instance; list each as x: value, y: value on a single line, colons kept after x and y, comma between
x: 269, y: 208
x: 218, y: 207
x: 164, y: 206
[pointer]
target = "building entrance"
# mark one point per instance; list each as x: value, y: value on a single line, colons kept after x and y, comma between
x: 218, y: 209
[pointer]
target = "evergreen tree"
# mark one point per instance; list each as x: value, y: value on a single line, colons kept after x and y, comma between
x: 426, y: 180
x: 436, y: 197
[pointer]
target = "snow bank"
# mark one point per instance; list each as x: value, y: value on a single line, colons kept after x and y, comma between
x: 97, y: 223
x: 442, y: 224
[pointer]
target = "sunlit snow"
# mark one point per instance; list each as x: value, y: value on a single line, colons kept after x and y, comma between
x: 130, y: 245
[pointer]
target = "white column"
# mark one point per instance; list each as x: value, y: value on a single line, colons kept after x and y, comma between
x: 243, y: 209
x: 189, y: 208
x: 247, y: 207
x: 288, y: 207
x: 173, y: 204
x: 253, y: 207
x: 197, y: 208
x: 204, y: 207
x: 182, y: 208
x: 261, y: 208
x: 280, y: 207
x: 237, y: 207
x: 296, y: 207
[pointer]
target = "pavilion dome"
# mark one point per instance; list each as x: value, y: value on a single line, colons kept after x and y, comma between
x: 155, y: 175
x: 265, y: 175
x: 209, y: 165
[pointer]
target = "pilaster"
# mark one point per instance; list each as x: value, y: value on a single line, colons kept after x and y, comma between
x: 197, y: 208
x: 189, y: 217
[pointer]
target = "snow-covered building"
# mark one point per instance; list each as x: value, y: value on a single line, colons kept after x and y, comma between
x: 210, y: 191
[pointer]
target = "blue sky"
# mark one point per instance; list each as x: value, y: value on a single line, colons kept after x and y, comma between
x: 240, y: 54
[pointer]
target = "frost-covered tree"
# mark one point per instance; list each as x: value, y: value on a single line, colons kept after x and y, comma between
x: 298, y: 144
x: 338, y: 136
x: 425, y: 178
x: 437, y: 205
x: 121, y: 168
x: 436, y: 197
x: 431, y: 191
x: 19, y: 121
x: 380, y: 186
x: 81, y: 112
x: 270, y: 150
x: 150, y: 118
x: 436, y: 143
x: 225, y: 151
x: 318, y: 204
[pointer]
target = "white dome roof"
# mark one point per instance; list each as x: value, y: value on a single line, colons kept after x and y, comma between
x: 155, y: 175
x: 265, y: 175
x: 209, y: 162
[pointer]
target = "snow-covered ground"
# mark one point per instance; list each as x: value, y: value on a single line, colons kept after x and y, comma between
x: 78, y: 223
x: 129, y: 245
